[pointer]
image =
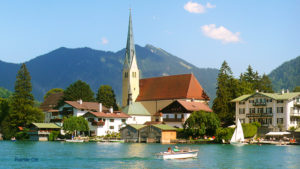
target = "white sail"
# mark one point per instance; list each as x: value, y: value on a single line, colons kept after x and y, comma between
x: 238, y: 135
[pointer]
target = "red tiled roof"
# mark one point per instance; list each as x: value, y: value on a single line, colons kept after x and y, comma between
x: 194, y: 106
x: 86, y: 105
x: 184, y: 86
x: 115, y: 114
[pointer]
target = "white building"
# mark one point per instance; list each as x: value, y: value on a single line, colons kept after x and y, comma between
x: 273, y: 110
x: 139, y: 114
x: 100, y: 123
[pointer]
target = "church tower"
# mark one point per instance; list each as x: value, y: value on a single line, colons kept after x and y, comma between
x: 131, y: 73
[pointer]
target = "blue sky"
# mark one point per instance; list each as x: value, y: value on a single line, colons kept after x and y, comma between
x: 263, y: 34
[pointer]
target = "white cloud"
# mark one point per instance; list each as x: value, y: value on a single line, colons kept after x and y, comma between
x: 220, y: 33
x: 104, y: 41
x: 208, y: 5
x: 194, y: 7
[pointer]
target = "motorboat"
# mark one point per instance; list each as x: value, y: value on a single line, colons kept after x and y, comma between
x: 179, y: 154
x: 74, y: 141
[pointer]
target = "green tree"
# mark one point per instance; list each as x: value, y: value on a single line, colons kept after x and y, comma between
x: 226, y: 91
x: 200, y: 123
x: 265, y: 84
x: 55, y: 90
x: 4, y: 93
x: 76, y: 91
x: 22, y: 113
x: 296, y: 89
x: 4, y: 109
x: 107, y: 97
x: 73, y: 124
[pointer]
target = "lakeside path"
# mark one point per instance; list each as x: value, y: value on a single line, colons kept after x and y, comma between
x: 30, y: 154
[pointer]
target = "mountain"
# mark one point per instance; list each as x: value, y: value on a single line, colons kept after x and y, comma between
x: 287, y: 75
x: 63, y: 66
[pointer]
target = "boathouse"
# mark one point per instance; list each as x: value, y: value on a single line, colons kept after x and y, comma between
x: 41, y: 131
x: 131, y: 133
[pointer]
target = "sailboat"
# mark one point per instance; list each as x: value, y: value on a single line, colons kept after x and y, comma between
x: 238, y: 135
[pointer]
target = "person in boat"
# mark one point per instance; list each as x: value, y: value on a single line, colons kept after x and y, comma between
x: 176, y: 149
x: 169, y: 150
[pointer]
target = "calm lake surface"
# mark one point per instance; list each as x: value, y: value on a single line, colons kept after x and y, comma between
x: 29, y: 154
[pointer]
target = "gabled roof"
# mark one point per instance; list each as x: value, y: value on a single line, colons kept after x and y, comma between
x: 194, y: 106
x: 51, y: 101
x: 136, y: 108
x: 86, y: 105
x: 275, y: 96
x: 184, y: 86
x: 164, y: 127
x: 46, y: 125
x: 137, y: 126
x: 115, y: 114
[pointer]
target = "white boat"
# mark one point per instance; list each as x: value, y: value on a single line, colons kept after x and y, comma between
x: 179, y: 155
x: 238, y: 135
x: 75, y: 141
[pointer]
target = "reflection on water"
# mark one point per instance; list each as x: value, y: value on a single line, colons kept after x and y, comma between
x: 119, y: 155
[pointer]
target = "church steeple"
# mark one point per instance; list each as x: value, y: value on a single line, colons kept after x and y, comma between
x: 130, y: 86
x: 130, y: 49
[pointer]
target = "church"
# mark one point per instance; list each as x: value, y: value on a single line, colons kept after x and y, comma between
x: 168, y: 99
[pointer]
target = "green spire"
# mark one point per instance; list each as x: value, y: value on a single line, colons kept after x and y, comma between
x: 130, y: 49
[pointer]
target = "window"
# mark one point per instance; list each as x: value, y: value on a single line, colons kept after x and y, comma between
x: 279, y: 109
x: 133, y: 74
x: 269, y: 109
x: 279, y: 120
x: 111, y: 120
x: 251, y: 101
x: 111, y: 127
x: 242, y: 120
x: 241, y: 102
x: 252, y: 110
x: 90, y: 119
x: 297, y: 99
x: 167, y: 116
x: 123, y: 120
x: 179, y: 116
x: 99, y: 119
x: 260, y: 110
x: 279, y: 101
x: 242, y: 110
x: 126, y: 74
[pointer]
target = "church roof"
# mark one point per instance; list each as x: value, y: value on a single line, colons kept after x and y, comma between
x: 130, y: 48
x: 136, y: 108
x: 184, y: 86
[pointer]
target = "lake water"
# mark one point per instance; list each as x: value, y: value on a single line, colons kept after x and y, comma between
x: 29, y: 154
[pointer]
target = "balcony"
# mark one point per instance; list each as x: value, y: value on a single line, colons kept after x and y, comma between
x: 56, y: 120
x: 259, y: 115
x: 173, y: 120
x: 98, y: 123
x: 297, y: 104
x: 259, y: 103
x: 295, y: 113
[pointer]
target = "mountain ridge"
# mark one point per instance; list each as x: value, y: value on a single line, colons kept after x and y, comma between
x: 63, y: 66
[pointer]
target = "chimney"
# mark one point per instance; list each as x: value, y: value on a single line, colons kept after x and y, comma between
x: 79, y: 101
x: 100, y: 107
x: 282, y: 91
x: 287, y: 91
x: 111, y: 110
x: 256, y: 91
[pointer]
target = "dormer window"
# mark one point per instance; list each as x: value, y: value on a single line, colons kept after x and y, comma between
x: 126, y: 74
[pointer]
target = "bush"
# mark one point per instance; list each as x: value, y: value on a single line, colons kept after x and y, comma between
x: 292, y: 128
x: 224, y: 133
x: 22, y: 135
x: 249, y: 129
x: 53, y: 135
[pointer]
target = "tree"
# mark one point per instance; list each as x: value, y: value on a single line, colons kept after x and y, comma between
x: 265, y: 84
x: 296, y: 89
x: 4, y: 93
x: 55, y: 90
x: 226, y: 88
x: 76, y: 91
x: 107, y: 97
x: 200, y: 123
x: 73, y: 124
x: 4, y: 109
x: 22, y: 111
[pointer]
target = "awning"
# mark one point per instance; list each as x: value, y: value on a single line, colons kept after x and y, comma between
x: 277, y: 133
